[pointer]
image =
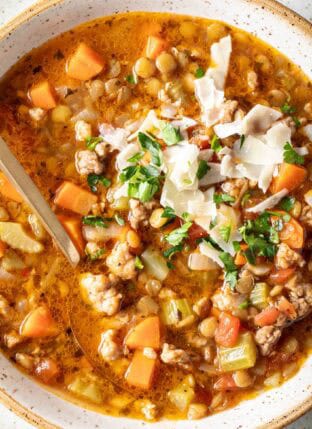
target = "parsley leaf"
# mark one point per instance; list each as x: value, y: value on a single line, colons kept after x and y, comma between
x: 245, y: 304
x: 215, y: 144
x: 95, y: 179
x: 296, y: 121
x: 168, y: 213
x: 200, y: 72
x: 287, y: 203
x: 92, y: 142
x: 287, y: 109
x: 230, y: 268
x: 131, y: 79
x: 202, y: 170
x: 242, y: 140
x: 186, y: 216
x: 291, y: 156
x: 178, y: 235
x: 152, y: 146
x: 120, y: 220
x: 223, y: 198
x: 143, y: 182
x: 138, y: 263
x: 96, y: 255
x: 225, y: 232
x: 172, y: 250
x: 94, y: 221
x: 245, y: 198
x: 136, y: 157
x: 170, y: 134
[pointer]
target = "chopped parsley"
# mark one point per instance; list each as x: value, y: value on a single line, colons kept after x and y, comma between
x: 170, y: 134
x: 296, y: 121
x: 202, y: 170
x: 186, y: 216
x: 230, y: 269
x: 287, y: 109
x: 245, y: 198
x: 172, y: 250
x: 168, y: 213
x: 245, y: 304
x: 242, y: 140
x: 94, y: 221
x: 131, y: 79
x: 151, y: 145
x: 177, y: 236
x: 287, y: 203
x: 136, y: 157
x: 215, y: 144
x: 223, y: 198
x: 96, y: 179
x: 291, y: 156
x: 120, y: 220
x: 200, y: 72
x: 170, y: 265
x: 225, y: 232
x: 138, y: 263
x: 96, y: 255
x: 92, y: 142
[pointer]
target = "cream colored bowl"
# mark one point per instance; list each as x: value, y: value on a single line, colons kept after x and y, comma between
x: 266, y: 19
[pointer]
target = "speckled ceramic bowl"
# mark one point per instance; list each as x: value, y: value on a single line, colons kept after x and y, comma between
x: 271, y: 22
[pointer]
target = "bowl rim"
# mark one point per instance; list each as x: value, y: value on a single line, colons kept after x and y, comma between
x: 40, y: 6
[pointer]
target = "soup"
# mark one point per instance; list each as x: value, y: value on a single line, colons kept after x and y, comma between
x: 176, y: 153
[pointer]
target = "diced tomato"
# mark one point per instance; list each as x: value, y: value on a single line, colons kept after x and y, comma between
x: 227, y: 331
x: 38, y: 323
x: 225, y: 382
x: 281, y: 276
x: 267, y: 317
x: 195, y: 232
x: 203, y: 395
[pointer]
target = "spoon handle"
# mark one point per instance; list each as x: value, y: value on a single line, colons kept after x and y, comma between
x: 29, y: 191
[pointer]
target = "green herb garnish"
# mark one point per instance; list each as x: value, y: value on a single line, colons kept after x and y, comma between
x: 291, y: 156
x: 202, y: 170
x: 215, y: 144
x: 138, y: 263
x: 96, y: 179
x: 94, y: 221
x: 287, y: 109
x: 92, y: 142
x: 178, y: 235
x: 96, y: 255
x: 151, y: 145
x: 230, y: 269
x: 200, y: 72
x: 225, y: 232
x: 131, y: 79
x: 223, y: 198
x: 287, y: 203
x: 245, y: 304
x: 245, y: 198
x: 168, y: 213
x: 120, y: 220
x: 242, y: 140
x: 170, y: 134
x: 136, y: 157
x: 172, y: 250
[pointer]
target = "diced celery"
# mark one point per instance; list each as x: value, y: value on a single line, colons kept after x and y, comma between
x: 86, y: 388
x: 175, y: 310
x: 259, y: 296
x: 241, y: 356
x: 155, y: 264
x: 182, y: 395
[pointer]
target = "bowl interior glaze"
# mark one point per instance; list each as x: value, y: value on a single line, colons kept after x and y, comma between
x: 269, y: 21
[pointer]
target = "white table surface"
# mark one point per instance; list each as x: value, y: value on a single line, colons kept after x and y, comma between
x: 10, y: 8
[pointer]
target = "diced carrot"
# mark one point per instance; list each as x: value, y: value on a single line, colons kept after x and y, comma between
x: 290, y: 176
x: 281, y: 276
x: 195, y: 232
x: 2, y: 248
x: 225, y: 382
x: 38, y: 323
x: 43, y: 95
x: 145, y: 334
x: 85, y: 63
x: 267, y: 317
x: 286, y: 307
x: 240, y: 259
x: 292, y: 233
x: 47, y: 370
x: 72, y: 197
x: 226, y: 334
x: 72, y: 226
x: 141, y: 371
x: 8, y: 190
x: 154, y: 46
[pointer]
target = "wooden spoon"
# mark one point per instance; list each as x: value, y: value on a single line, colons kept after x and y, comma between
x: 29, y: 191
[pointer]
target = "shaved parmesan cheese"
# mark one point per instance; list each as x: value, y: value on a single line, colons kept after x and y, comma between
x: 308, y: 131
x: 123, y: 156
x: 206, y: 154
x: 255, y: 151
x: 204, y: 208
x: 199, y: 262
x: 168, y: 110
x: 183, y: 124
x: 303, y: 151
x: 265, y: 177
x: 213, y: 175
x: 220, y: 58
x: 210, y: 99
x: 269, y: 202
x: 150, y: 124
x: 257, y: 121
x: 181, y: 162
x: 214, y: 254
x: 115, y: 137
x: 278, y: 135
x: 229, y: 168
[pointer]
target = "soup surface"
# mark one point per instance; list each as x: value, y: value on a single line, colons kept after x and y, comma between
x: 176, y: 152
